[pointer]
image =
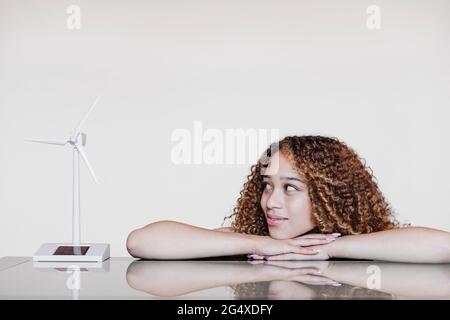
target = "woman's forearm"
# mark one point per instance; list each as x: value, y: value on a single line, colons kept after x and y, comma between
x: 175, y: 240
x: 415, y: 244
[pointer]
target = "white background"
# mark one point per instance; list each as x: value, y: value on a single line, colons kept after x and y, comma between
x: 304, y: 67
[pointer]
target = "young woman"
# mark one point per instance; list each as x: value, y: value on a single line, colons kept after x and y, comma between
x: 307, y: 198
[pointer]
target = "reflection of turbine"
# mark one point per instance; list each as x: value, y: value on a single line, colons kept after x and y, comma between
x: 78, y: 141
x: 74, y: 281
x: 74, y: 270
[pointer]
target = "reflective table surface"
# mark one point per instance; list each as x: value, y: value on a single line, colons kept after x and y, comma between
x: 207, y: 279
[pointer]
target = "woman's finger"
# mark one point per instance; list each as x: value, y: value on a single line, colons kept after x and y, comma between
x: 256, y: 261
x: 290, y: 256
x: 312, y: 242
x: 313, y: 279
x: 303, y: 250
x: 293, y: 265
x: 319, y: 236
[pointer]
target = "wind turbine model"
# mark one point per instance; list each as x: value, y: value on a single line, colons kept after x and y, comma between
x: 74, y: 251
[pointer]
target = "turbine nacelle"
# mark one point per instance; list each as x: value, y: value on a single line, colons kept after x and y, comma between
x: 80, y: 139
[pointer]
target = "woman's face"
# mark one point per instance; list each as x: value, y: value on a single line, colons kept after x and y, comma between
x: 285, y: 200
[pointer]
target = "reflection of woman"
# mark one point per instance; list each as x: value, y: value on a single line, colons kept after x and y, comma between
x: 291, y: 279
x: 301, y: 196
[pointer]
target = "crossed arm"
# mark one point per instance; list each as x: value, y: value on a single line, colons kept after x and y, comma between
x: 173, y: 240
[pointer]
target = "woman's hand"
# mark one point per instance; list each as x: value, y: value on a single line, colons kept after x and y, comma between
x: 322, y: 254
x: 300, y: 248
x: 307, y: 272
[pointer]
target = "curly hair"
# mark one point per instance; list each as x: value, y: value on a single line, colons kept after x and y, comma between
x: 343, y: 191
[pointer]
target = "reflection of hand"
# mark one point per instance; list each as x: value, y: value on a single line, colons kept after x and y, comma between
x: 299, y: 271
x: 300, y: 247
x: 320, y: 266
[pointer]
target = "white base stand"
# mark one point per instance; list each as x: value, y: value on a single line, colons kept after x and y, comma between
x: 68, y: 252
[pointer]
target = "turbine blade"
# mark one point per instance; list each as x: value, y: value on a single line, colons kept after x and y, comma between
x: 86, y: 161
x: 78, y: 129
x: 48, y: 141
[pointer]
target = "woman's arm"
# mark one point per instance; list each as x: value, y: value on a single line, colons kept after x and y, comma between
x: 175, y: 240
x: 412, y: 244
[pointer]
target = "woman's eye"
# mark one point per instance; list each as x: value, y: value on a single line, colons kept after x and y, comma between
x: 290, y: 188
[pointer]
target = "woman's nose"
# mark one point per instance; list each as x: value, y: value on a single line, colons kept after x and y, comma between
x: 274, y: 200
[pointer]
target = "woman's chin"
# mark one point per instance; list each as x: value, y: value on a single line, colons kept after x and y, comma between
x: 278, y: 235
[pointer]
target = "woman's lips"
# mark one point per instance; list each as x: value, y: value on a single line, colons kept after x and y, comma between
x: 274, y: 220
